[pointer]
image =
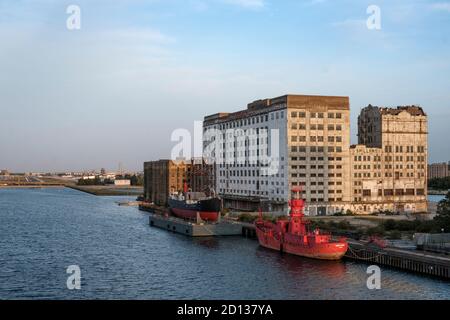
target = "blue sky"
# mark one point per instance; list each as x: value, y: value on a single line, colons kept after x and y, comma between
x: 115, y: 90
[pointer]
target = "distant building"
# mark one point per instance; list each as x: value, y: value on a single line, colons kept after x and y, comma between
x: 438, y: 170
x: 88, y: 177
x: 4, y: 173
x: 164, y: 177
x: 122, y: 182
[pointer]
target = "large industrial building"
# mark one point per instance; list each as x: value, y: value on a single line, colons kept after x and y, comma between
x: 387, y: 170
x: 165, y: 177
x: 389, y: 164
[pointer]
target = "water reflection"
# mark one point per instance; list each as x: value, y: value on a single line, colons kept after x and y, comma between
x: 122, y: 257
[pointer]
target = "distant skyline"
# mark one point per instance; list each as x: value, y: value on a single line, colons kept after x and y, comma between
x: 115, y: 90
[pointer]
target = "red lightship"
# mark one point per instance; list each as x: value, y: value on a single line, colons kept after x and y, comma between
x: 292, y: 235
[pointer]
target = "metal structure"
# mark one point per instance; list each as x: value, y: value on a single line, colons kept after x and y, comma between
x: 293, y: 236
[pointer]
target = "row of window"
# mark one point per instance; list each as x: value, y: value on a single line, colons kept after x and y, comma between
x: 254, y: 182
x: 316, y: 183
x: 314, y: 175
x: 391, y: 192
x: 320, y: 115
x: 329, y: 159
x: 387, y: 167
x: 408, y: 149
x: 398, y: 175
x: 315, y: 139
x: 303, y: 149
x: 313, y: 166
x: 248, y: 164
x: 252, y: 120
x: 318, y: 127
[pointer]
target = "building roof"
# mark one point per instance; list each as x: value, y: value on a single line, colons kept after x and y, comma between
x: 265, y: 105
x: 412, y: 110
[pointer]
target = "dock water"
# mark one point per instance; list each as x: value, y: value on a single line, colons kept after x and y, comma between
x: 422, y: 262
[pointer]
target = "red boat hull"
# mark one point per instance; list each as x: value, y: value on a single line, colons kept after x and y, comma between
x: 295, y: 245
x: 192, y: 215
x: 293, y: 236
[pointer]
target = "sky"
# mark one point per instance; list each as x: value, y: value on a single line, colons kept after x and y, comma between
x: 114, y: 90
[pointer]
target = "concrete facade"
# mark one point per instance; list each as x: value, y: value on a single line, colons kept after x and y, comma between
x: 386, y: 171
x: 313, y: 134
x: 389, y: 166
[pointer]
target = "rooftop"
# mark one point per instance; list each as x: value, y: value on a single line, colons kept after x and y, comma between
x: 412, y: 110
x: 265, y: 105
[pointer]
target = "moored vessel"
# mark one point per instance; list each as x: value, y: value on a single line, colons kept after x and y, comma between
x: 294, y: 237
x: 191, y: 205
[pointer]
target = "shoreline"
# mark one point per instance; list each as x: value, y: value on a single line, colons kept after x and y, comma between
x: 32, y: 186
x: 100, y: 191
x: 108, y: 191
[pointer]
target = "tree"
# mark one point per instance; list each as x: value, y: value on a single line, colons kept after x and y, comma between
x: 439, y: 183
x: 443, y: 214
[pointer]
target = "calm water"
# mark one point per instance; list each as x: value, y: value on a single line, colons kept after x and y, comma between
x: 435, y: 198
x: 42, y: 232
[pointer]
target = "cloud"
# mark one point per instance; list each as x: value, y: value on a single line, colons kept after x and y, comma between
x: 250, y: 4
x: 441, y: 6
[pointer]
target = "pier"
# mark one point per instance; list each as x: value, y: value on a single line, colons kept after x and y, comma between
x: 423, y: 262
x: 409, y: 260
x: 161, y: 218
x: 192, y: 229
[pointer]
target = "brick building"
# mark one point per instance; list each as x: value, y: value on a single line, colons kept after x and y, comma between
x: 164, y: 177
